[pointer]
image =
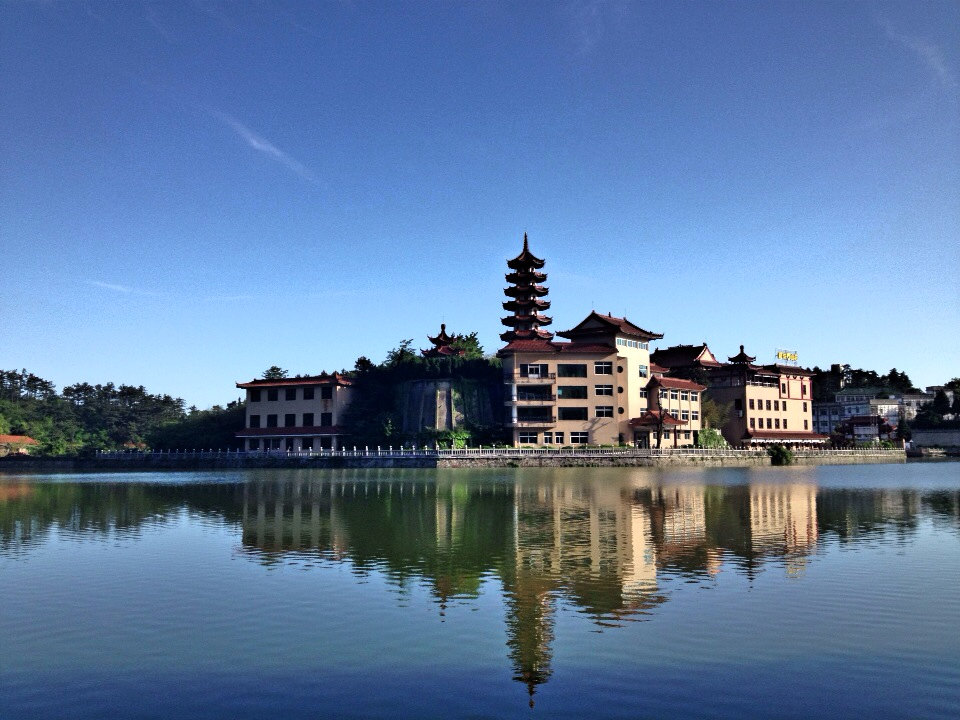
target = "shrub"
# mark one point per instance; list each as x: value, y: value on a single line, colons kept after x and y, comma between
x: 780, y: 455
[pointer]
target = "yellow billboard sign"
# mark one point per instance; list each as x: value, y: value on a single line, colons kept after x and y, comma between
x: 787, y: 355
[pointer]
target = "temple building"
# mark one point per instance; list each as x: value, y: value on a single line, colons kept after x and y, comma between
x: 295, y: 414
x: 591, y: 389
x: 768, y: 403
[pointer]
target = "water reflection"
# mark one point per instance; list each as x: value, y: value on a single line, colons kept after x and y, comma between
x: 608, y: 545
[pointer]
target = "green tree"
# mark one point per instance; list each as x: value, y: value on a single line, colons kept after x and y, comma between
x: 955, y: 406
x: 274, y: 372
x: 941, y: 403
x: 714, y: 414
x: 470, y: 346
x: 710, y: 438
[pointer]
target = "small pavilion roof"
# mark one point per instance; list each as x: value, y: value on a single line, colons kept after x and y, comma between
x: 684, y: 356
x: 17, y: 440
x: 741, y: 358
x: 652, y: 418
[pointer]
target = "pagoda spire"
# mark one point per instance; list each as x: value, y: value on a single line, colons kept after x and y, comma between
x: 525, y: 298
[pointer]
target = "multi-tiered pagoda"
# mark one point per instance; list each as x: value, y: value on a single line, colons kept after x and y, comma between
x: 526, y: 298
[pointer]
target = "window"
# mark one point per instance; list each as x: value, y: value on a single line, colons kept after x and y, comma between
x: 254, y: 421
x: 784, y: 423
x: 253, y: 445
x: 306, y: 444
x: 603, y: 389
x: 805, y: 425
x: 803, y: 389
x: 768, y: 424
x: 547, y: 438
x: 684, y: 414
x: 326, y: 419
x: 604, y: 411
x: 776, y: 423
x: 530, y: 438
x: 663, y: 394
x: 643, y: 393
x: 603, y: 368
x: 558, y: 438
x: 274, y: 444
x: 776, y: 405
x: 575, y: 392
x: 579, y: 438
x: 272, y: 394
x: 289, y: 419
x: 695, y: 415
x: 751, y: 423
x: 694, y: 396
x: 290, y: 394
x: 644, y: 370
x: 533, y: 370
x: 674, y: 395
x: 308, y: 395
x: 271, y: 420
x: 308, y: 419
x: 288, y: 444
x: 254, y: 396
x: 684, y: 395
x: 783, y: 404
x: 686, y: 434
x: 783, y: 388
x: 751, y: 403
x: 326, y: 392
x: 569, y: 370
x: 804, y: 406
x: 768, y: 405
x: 572, y: 413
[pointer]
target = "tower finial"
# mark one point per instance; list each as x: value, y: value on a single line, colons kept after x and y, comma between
x: 525, y: 247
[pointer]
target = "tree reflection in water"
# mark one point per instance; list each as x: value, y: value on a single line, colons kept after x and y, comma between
x: 598, y: 541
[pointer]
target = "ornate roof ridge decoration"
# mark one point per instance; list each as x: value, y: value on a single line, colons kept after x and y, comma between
x: 524, y: 298
x: 741, y: 358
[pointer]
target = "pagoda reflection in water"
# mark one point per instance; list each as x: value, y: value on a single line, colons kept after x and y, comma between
x: 599, y: 546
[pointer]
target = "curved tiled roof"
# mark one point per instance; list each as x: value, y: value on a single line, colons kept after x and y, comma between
x: 321, y: 379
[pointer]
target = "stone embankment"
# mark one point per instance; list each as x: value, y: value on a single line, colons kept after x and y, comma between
x: 425, y: 458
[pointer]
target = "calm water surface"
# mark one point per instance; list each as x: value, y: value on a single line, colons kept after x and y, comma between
x: 722, y: 593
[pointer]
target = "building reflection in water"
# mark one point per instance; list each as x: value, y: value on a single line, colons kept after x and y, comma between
x: 607, y: 545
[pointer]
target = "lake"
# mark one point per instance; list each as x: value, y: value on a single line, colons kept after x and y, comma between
x: 793, y: 592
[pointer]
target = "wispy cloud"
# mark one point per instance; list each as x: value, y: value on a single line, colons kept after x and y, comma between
x: 264, y: 146
x: 928, y: 53
x: 109, y: 286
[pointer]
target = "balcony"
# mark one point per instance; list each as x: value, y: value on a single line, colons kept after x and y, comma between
x: 545, y: 421
x: 539, y: 378
x: 530, y: 399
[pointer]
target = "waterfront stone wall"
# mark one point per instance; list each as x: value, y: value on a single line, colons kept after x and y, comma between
x: 936, y: 438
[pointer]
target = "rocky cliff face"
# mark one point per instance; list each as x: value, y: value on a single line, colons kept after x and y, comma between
x: 447, y: 405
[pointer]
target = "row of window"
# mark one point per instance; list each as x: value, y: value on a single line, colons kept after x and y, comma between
x: 553, y: 438
x: 326, y: 393
x: 290, y: 420
x: 775, y: 424
x: 535, y: 370
x: 691, y: 395
x: 633, y: 343
x: 803, y: 389
x: 579, y: 392
x: 777, y: 405
x: 581, y: 413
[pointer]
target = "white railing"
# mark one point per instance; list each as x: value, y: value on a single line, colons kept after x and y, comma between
x: 482, y: 452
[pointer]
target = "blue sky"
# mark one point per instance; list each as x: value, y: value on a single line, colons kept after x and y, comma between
x: 192, y: 192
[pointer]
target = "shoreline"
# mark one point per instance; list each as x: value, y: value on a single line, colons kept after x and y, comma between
x: 502, y: 458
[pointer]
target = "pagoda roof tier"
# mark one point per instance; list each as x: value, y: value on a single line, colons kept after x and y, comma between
x: 542, y: 345
x: 537, y: 334
x: 596, y: 324
x: 525, y: 259
x: 525, y: 278
x: 536, y: 319
x: 525, y: 290
x: 741, y: 358
x: 513, y: 305
x: 443, y: 351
